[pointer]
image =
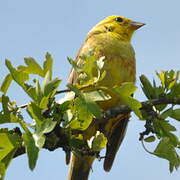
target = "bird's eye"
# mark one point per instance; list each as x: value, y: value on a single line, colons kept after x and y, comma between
x: 119, y: 19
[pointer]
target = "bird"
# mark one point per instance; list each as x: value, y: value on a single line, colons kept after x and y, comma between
x: 110, y: 38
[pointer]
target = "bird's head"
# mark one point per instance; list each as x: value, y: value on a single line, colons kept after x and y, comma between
x: 119, y: 26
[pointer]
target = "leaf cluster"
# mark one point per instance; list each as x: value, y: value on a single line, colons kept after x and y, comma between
x: 71, y: 124
x: 159, y: 118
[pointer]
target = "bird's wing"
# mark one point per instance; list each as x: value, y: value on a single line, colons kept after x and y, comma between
x: 114, y: 140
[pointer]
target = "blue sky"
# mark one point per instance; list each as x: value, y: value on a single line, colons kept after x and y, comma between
x: 31, y: 28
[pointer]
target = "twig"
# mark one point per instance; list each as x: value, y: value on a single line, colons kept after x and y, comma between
x: 63, y: 91
x: 23, y: 106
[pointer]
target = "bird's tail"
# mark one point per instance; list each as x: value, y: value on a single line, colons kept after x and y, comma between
x: 80, y: 167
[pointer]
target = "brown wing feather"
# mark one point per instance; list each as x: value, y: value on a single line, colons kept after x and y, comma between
x: 114, y: 141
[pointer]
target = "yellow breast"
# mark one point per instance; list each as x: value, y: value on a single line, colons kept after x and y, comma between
x: 119, y: 62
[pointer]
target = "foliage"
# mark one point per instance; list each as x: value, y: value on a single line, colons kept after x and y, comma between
x: 64, y: 125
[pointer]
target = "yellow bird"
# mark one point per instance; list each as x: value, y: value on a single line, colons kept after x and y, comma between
x: 110, y: 38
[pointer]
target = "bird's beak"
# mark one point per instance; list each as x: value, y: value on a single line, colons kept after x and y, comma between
x: 136, y: 25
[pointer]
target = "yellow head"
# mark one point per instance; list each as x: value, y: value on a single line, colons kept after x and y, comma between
x: 119, y: 26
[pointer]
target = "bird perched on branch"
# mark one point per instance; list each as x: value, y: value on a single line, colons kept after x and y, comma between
x: 110, y: 38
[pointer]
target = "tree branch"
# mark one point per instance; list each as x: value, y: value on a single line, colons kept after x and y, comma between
x: 58, y: 139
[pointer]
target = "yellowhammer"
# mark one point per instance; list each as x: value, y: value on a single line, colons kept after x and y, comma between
x: 110, y: 38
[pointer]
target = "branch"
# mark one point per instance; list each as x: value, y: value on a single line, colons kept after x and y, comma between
x: 146, y: 105
x: 58, y: 139
x: 54, y: 140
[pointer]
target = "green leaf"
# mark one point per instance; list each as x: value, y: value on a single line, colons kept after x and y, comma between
x: 167, y: 151
x: 35, y: 112
x: 175, y: 114
x: 74, y: 89
x: 175, y: 91
x: 6, y: 83
x: 2, y: 170
x: 97, y: 142
x: 48, y: 64
x: 5, y: 102
x: 7, y: 116
x: 150, y: 139
x: 161, y: 76
x: 45, y: 127
x: 31, y: 149
x: 166, y: 113
x: 147, y: 87
x: 50, y: 87
x: 125, y: 92
x: 74, y: 64
x: 4, y: 163
x: 8, y: 146
x: 163, y: 129
x: 97, y: 95
x: 167, y: 126
x: 93, y: 108
x: 18, y: 76
x: 30, y: 90
x: 83, y: 117
x: 44, y: 102
x: 32, y: 67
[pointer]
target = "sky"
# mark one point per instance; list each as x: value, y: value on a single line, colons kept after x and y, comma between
x: 32, y: 28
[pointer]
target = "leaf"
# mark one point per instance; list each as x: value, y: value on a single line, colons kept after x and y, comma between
x: 167, y: 151
x: 175, y: 114
x: 147, y: 87
x: 87, y: 101
x: 74, y: 89
x: 150, y: 139
x: 167, y: 126
x: 2, y: 170
x: 39, y: 139
x: 6, y: 83
x: 93, y: 108
x: 161, y: 76
x: 166, y: 113
x: 35, y: 112
x: 5, y: 102
x: 90, y: 68
x: 83, y: 117
x: 8, y: 146
x: 163, y: 129
x: 44, y: 102
x: 50, y: 87
x: 32, y: 67
x: 74, y: 64
x: 18, y: 76
x: 48, y: 64
x: 7, y: 116
x: 124, y: 92
x: 45, y: 127
x: 30, y: 90
x: 31, y: 149
x: 97, y: 95
x: 4, y: 163
x: 97, y: 142
x: 175, y: 91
